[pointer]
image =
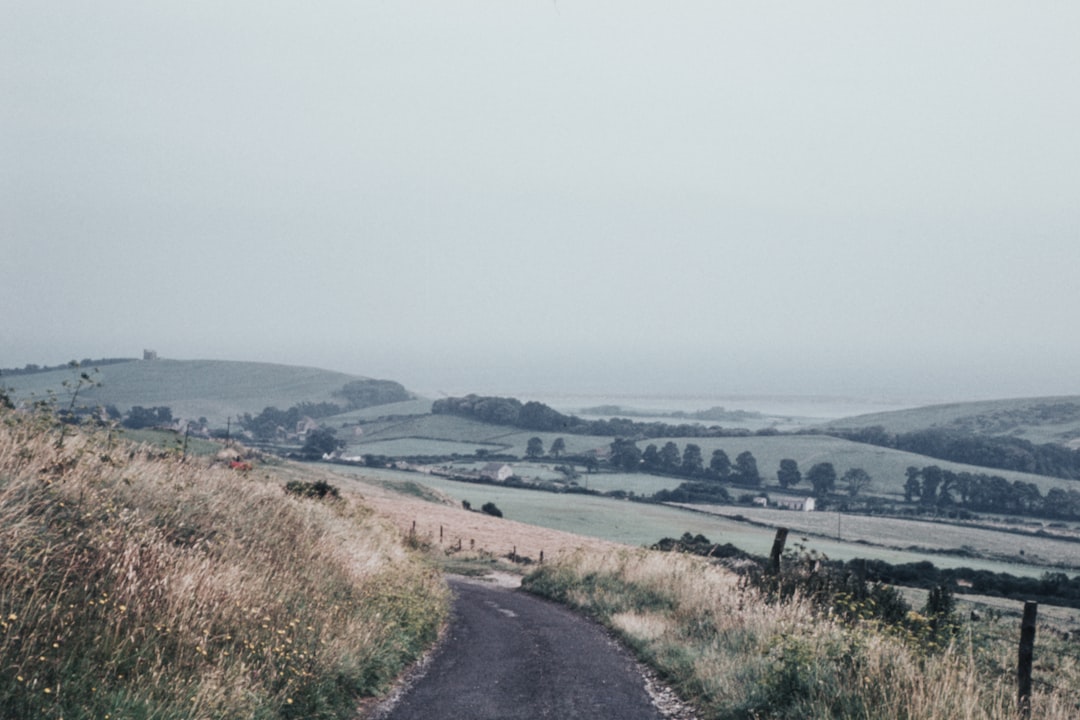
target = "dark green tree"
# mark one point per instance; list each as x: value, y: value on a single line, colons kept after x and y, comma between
x: 535, y: 448
x: 931, y: 480
x: 669, y: 457
x: 321, y: 441
x: 625, y: 455
x: 788, y: 475
x: 650, y: 459
x: 912, y: 487
x: 746, y: 469
x: 365, y: 393
x: 558, y: 447
x: 140, y: 417
x: 720, y: 463
x: 691, y: 460
x: 822, y: 477
x: 856, y: 480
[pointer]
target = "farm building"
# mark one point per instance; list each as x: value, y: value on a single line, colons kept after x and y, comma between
x: 303, y: 427
x: 803, y: 504
x: 496, y: 471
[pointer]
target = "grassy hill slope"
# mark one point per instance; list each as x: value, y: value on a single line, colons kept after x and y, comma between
x: 134, y: 585
x: 215, y: 389
x: 1040, y: 420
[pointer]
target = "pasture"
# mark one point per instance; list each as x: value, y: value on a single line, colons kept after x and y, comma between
x: 412, y: 447
x: 1040, y: 420
x: 213, y: 389
x: 449, y: 428
x: 642, y: 524
x: 887, y: 467
x: 918, y: 535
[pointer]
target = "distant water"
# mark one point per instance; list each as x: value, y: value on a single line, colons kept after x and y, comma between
x: 775, y: 409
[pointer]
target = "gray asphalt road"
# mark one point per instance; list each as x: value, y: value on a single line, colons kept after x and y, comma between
x: 510, y: 655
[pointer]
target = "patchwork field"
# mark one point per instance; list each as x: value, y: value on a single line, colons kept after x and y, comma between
x: 639, y: 524
x: 448, y: 428
x: 1014, y: 545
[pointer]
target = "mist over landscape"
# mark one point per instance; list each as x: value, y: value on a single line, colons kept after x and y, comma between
x: 320, y: 323
x: 705, y: 200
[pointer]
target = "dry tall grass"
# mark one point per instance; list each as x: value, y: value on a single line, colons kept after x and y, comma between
x: 734, y: 655
x: 132, y: 585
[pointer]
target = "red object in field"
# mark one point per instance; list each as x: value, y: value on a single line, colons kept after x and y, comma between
x: 238, y: 465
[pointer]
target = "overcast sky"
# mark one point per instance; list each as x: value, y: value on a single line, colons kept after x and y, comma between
x: 716, y: 197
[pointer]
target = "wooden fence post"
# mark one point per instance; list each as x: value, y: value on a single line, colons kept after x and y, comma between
x: 778, y: 549
x: 1027, y: 652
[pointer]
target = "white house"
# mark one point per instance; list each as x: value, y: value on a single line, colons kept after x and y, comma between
x: 803, y: 504
x: 496, y: 471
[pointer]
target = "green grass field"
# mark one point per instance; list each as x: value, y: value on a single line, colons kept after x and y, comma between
x: 214, y: 389
x: 902, y: 533
x: 412, y: 447
x: 886, y: 466
x: 430, y: 433
x: 449, y: 428
x: 1040, y: 420
x: 639, y: 524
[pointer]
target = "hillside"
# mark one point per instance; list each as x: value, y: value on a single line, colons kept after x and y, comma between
x: 1039, y: 420
x: 136, y: 585
x: 214, y: 389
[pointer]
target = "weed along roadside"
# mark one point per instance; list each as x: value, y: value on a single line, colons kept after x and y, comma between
x: 802, y: 643
x: 136, y: 585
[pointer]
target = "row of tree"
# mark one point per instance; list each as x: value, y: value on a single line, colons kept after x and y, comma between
x: 667, y: 459
x: 628, y: 457
x: 533, y: 415
x: 1003, y: 452
x: 932, y: 486
x: 823, y: 478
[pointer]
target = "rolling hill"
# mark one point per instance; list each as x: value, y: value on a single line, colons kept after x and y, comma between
x: 215, y: 389
x: 1039, y: 420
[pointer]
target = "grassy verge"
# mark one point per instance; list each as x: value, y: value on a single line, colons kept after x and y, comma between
x: 134, y: 586
x: 735, y: 655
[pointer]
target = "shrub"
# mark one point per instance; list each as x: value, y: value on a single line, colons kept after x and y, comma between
x: 317, y: 490
x: 491, y: 509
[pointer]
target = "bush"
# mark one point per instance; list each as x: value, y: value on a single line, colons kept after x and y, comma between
x: 318, y: 490
x: 491, y: 509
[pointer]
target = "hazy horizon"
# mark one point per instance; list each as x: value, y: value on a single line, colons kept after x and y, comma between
x: 711, y: 198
